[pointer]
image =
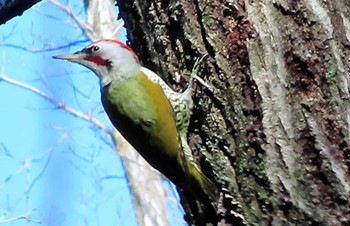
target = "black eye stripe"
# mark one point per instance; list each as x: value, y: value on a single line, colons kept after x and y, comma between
x: 91, y: 49
x: 88, y: 50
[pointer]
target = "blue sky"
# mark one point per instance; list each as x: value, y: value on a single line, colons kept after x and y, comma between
x: 56, y: 164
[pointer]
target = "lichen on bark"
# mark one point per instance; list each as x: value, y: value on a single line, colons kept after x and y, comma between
x: 274, y: 132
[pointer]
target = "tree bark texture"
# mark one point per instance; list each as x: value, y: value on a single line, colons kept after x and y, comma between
x: 13, y: 8
x: 274, y: 132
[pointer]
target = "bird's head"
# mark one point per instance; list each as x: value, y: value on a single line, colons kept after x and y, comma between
x: 109, y: 59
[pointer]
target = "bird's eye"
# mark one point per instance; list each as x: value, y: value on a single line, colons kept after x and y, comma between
x: 95, y: 48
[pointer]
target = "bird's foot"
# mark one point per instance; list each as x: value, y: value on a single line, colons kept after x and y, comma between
x: 194, y: 73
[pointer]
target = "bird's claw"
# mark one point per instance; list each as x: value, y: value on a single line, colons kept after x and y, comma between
x: 195, y: 72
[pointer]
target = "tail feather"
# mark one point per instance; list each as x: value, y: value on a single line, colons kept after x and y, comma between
x: 204, y: 183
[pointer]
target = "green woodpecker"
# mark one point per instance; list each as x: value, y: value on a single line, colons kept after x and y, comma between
x: 135, y: 100
x: 182, y: 103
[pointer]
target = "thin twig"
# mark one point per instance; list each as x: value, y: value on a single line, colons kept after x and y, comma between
x: 49, y: 153
x: 57, y: 103
x: 87, y: 117
x: 84, y: 26
x: 26, y: 216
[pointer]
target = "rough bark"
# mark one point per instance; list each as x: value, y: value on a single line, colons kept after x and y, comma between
x: 13, y: 8
x: 275, y: 131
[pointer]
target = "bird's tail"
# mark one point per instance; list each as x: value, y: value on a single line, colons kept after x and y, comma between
x: 202, y: 182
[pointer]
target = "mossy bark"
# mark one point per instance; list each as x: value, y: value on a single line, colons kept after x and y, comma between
x: 274, y: 132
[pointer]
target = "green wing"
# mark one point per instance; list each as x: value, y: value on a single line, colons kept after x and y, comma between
x: 141, y: 112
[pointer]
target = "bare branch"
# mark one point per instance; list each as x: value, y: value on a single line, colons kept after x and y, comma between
x: 49, y: 153
x: 26, y: 216
x: 57, y: 103
x: 87, y: 117
x: 84, y: 26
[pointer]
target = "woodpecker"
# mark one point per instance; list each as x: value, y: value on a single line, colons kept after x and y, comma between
x: 182, y: 103
x: 135, y: 101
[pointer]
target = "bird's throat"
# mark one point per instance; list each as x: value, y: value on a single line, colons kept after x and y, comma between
x: 118, y: 73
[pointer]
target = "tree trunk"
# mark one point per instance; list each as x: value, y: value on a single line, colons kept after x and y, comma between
x: 13, y: 8
x: 274, y: 132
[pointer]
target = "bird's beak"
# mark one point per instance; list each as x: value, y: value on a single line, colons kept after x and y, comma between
x: 75, y: 57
